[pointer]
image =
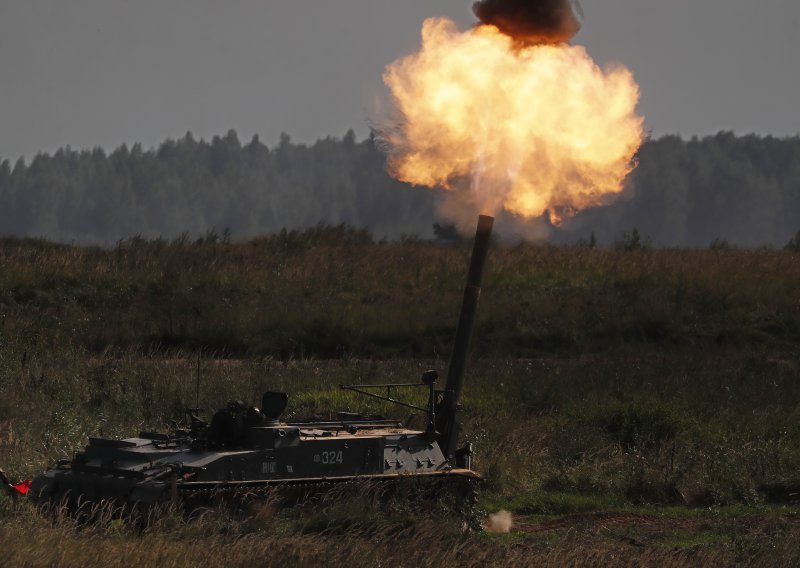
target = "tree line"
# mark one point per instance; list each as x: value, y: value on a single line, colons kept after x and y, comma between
x: 722, y: 189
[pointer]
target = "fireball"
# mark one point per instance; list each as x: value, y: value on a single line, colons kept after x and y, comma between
x: 532, y: 130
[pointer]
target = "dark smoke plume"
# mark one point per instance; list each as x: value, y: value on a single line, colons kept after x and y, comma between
x: 531, y: 21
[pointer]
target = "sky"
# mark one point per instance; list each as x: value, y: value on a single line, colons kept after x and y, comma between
x: 88, y: 73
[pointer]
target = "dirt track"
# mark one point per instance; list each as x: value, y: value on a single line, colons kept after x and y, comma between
x: 656, y: 524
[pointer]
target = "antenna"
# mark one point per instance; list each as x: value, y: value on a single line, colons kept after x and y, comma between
x: 194, y: 413
x: 197, y: 386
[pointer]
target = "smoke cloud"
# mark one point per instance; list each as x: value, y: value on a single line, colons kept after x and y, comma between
x: 500, y: 522
x: 531, y: 22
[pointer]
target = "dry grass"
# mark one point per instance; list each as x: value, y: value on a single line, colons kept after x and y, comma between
x: 359, y: 537
x: 335, y: 295
x: 605, y: 381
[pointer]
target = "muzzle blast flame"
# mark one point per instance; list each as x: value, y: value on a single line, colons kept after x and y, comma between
x: 526, y: 129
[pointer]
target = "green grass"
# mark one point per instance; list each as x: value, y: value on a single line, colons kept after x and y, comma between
x: 312, y: 295
x: 695, y: 539
x: 550, y: 503
x: 657, y: 383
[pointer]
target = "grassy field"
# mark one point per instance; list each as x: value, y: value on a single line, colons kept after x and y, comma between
x: 628, y: 406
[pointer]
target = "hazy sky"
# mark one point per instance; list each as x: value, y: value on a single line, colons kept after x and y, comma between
x: 103, y: 72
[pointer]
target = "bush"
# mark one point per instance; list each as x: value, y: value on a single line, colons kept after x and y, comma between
x: 633, y: 240
x: 794, y: 244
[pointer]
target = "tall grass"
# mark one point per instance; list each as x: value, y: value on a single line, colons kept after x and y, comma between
x: 353, y: 534
x: 333, y: 293
x: 600, y: 378
x: 649, y: 428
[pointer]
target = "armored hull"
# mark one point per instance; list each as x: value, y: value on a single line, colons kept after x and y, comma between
x: 152, y: 468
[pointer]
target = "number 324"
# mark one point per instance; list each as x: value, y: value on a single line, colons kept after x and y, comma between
x: 332, y: 457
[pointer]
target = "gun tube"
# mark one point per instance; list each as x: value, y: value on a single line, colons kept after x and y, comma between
x: 448, y: 420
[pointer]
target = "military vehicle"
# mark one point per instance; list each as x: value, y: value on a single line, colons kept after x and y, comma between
x: 248, y: 448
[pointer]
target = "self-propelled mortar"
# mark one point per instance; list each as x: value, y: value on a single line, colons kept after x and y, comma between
x: 249, y: 448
